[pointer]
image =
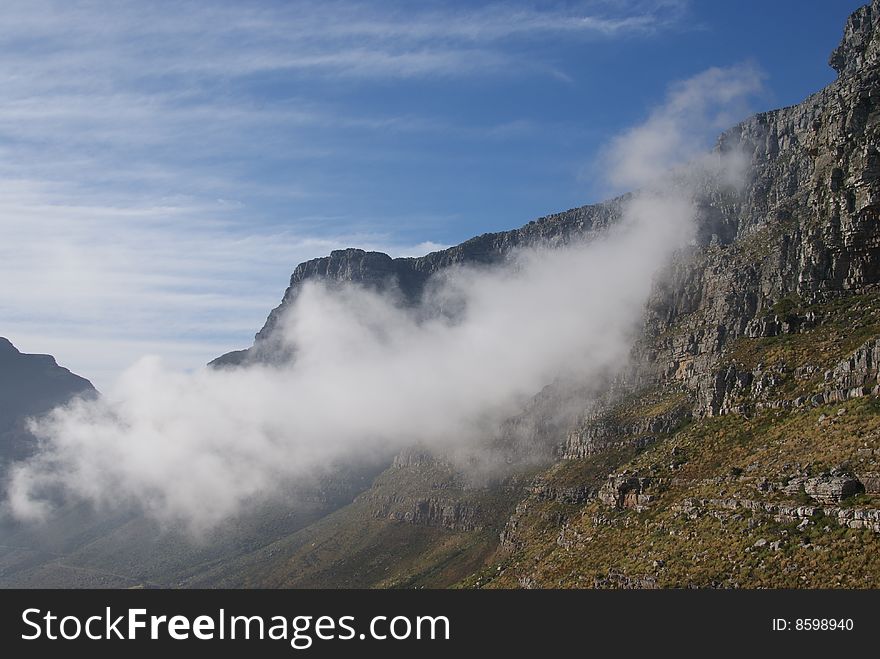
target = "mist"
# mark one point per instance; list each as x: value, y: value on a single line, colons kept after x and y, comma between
x: 371, y: 375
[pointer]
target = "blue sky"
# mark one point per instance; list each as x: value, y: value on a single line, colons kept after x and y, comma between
x: 165, y: 165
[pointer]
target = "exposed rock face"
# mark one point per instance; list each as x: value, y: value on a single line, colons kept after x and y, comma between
x: 861, y: 369
x: 414, y: 457
x: 541, y: 489
x: 597, y: 432
x: 871, y: 482
x: 806, y: 226
x: 859, y: 48
x: 453, y: 515
x: 421, y: 489
x: 828, y: 488
x: 803, y: 234
x: 853, y: 518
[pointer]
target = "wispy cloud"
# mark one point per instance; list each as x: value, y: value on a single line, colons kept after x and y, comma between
x: 350, y: 38
x: 155, y: 157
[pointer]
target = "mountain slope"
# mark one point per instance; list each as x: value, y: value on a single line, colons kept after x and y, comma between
x: 771, y: 479
x: 742, y: 446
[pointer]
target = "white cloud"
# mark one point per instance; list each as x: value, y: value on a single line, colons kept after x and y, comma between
x: 696, y: 110
x: 352, y: 39
x: 369, y: 376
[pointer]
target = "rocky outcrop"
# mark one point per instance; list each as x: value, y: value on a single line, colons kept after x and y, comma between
x: 870, y: 481
x: 740, y: 390
x: 861, y: 369
x: 415, y: 457
x: 452, y: 514
x: 628, y: 491
x: 543, y: 490
x: 860, y: 47
x: 601, y: 430
x: 827, y: 488
x: 853, y: 518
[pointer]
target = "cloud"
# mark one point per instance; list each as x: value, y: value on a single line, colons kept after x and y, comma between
x: 348, y: 38
x: 372, y: 376
x: 695, y: 109
x: 152, y: 73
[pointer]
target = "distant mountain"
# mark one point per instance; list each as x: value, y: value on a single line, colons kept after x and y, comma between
x: 88, y: 548
x: 30, y: 385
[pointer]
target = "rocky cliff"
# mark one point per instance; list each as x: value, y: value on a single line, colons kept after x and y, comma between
x: 740, y: 447
x: 804, y: 232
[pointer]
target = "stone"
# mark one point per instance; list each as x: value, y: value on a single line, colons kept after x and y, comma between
x: 626, y: 491
x: 871, y: 482
x: 833, y: 489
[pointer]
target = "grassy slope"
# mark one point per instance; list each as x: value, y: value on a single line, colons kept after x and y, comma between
x: 675, y: 543
x: 357, y: 548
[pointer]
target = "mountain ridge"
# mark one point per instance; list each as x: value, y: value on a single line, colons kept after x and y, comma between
x: 763, y: 329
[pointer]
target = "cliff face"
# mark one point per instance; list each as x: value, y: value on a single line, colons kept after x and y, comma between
x: 741, y: 446
x: 744, y: 450
x: 408, y: 276
x: 803, y: 232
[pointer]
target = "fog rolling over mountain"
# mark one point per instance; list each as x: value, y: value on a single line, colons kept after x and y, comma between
x: 363, y: 369
x: 88, y: 546
x: 678, y: 387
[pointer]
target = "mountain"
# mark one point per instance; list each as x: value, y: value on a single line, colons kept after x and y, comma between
x: 741, y: 449
x: 30, y: 385
x: 84, y: 547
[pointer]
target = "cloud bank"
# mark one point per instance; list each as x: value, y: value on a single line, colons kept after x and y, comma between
x: 371, y: 375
